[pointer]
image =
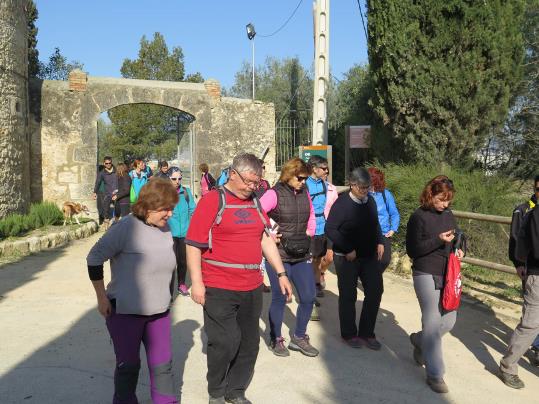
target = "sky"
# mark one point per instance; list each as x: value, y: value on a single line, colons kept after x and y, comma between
x: 102, y: 33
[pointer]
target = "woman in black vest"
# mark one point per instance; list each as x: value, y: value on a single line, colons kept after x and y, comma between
x: 289, y: 206
x: 358, y: 246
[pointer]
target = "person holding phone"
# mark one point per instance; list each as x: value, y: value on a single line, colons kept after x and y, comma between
x: 429, y: 240
x: 288, y: 204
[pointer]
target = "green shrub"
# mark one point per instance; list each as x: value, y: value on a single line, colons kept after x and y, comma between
x: 476, y: 192
x: 14, y: 225
x: 45, y: 214
x: 40, y: 215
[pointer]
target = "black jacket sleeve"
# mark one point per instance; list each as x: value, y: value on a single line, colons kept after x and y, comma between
x: 125, y: 189
x: 98, y: 180
x: 418, y: 243
x: 516, y: 222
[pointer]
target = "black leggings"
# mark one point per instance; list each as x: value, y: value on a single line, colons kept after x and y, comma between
x: 181, y: 259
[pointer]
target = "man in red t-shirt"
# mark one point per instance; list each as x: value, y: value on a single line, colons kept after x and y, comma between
x: 224, y: 263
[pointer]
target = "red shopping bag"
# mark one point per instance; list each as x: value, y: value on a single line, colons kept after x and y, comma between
x: 453, y: 284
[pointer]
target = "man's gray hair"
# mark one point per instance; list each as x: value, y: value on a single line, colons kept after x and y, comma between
x: 247, y: 162
x: 360, y: 176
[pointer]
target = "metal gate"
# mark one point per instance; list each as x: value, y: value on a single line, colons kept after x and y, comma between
x: 289, y: 135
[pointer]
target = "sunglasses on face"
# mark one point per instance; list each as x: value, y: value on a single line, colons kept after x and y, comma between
x: 175, y: 178
x: 108, y: 164
x: 324, y: 168
x: 301, y: 178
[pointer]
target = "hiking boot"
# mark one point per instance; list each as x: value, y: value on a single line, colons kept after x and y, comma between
x: 183, y: 290
x: 437, y: 385
x: 315, y: 314
x: 418, y: 354
x: 371, y: 343
x: 353, y: 342
x: 302, y: 345
x: 319, y: 291
x: 278, y: 348
x: 510, y: 380
x: 238, y: 400
x: 534, y: 356
x: 217, y: 400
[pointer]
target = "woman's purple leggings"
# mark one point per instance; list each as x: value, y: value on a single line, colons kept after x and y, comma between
x: 127, y: 332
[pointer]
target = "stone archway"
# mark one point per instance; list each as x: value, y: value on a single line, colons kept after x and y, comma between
x: 64, y: 118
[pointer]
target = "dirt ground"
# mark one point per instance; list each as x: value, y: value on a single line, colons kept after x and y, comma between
x: 55, y: 348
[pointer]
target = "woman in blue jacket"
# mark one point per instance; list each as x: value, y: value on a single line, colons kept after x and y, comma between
x: 388, y: 214
x: 178, y: 223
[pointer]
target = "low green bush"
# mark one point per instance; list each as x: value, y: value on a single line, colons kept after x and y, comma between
x: 14, y: 225
x: 46, y: 214
x: 40, y: 215
x: 476, y: 192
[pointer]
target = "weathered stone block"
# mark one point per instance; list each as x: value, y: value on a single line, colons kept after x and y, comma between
x: 21, y: 247
x: 34, y: 244
x: 68, y: 177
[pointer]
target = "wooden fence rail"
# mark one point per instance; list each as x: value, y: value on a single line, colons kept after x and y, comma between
x: 485, y: 218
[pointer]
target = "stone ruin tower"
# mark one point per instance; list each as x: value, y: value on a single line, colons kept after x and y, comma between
x: 14, y: 134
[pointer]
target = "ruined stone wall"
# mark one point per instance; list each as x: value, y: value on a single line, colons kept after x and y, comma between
x: 64, y: 128
x: 239, y: 126
x: 14, y: 141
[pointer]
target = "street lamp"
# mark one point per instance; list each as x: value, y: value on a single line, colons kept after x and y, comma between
x: 251, y: 33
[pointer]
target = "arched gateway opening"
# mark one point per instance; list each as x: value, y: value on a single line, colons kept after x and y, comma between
x: 150, y: 132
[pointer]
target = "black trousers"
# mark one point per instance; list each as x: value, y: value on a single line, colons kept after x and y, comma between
x: 386, y: 258
x: 369, y: 272
x: 181, y: 258
x: 231, y: 323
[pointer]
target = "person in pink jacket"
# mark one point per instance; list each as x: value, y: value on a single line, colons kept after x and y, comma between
x: 207, y: 182
x: 289, y: 205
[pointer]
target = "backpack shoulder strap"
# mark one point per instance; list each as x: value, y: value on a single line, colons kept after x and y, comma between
x: 185, y: 194
x: 258, y: 206
x: 387, y: 206
x: 219, y: 215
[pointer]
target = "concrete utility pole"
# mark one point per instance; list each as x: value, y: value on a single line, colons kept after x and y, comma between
x: 321, y: 71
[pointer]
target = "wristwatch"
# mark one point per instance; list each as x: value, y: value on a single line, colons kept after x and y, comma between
x: 281, y: 274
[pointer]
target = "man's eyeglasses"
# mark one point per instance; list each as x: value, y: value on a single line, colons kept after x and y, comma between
x: 301, y: 178
x: 108, y: 164
x: 175, y: 178
x: 361, y: 187
x: 248, y: 183
x: 325, y: 168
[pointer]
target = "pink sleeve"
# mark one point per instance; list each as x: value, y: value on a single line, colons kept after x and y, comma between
x: 311, y: 224
x: 269, y: 200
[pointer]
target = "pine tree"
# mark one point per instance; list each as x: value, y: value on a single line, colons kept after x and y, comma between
x: 443, y: 72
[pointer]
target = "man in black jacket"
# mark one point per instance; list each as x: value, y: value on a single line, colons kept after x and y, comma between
x: 516, y: 223
x: 108, y: 177
x: 528, y: 328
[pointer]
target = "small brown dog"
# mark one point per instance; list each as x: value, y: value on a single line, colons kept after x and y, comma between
x: 72, y: 210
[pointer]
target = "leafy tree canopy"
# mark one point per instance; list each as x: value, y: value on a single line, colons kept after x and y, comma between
x: 58, y: 67
x: 443, y: 72
x: 147, y: 130
x: 33, y: 53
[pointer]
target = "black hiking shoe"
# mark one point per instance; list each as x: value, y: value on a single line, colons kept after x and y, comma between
x: 510, y: 380
x: 302, y: 345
